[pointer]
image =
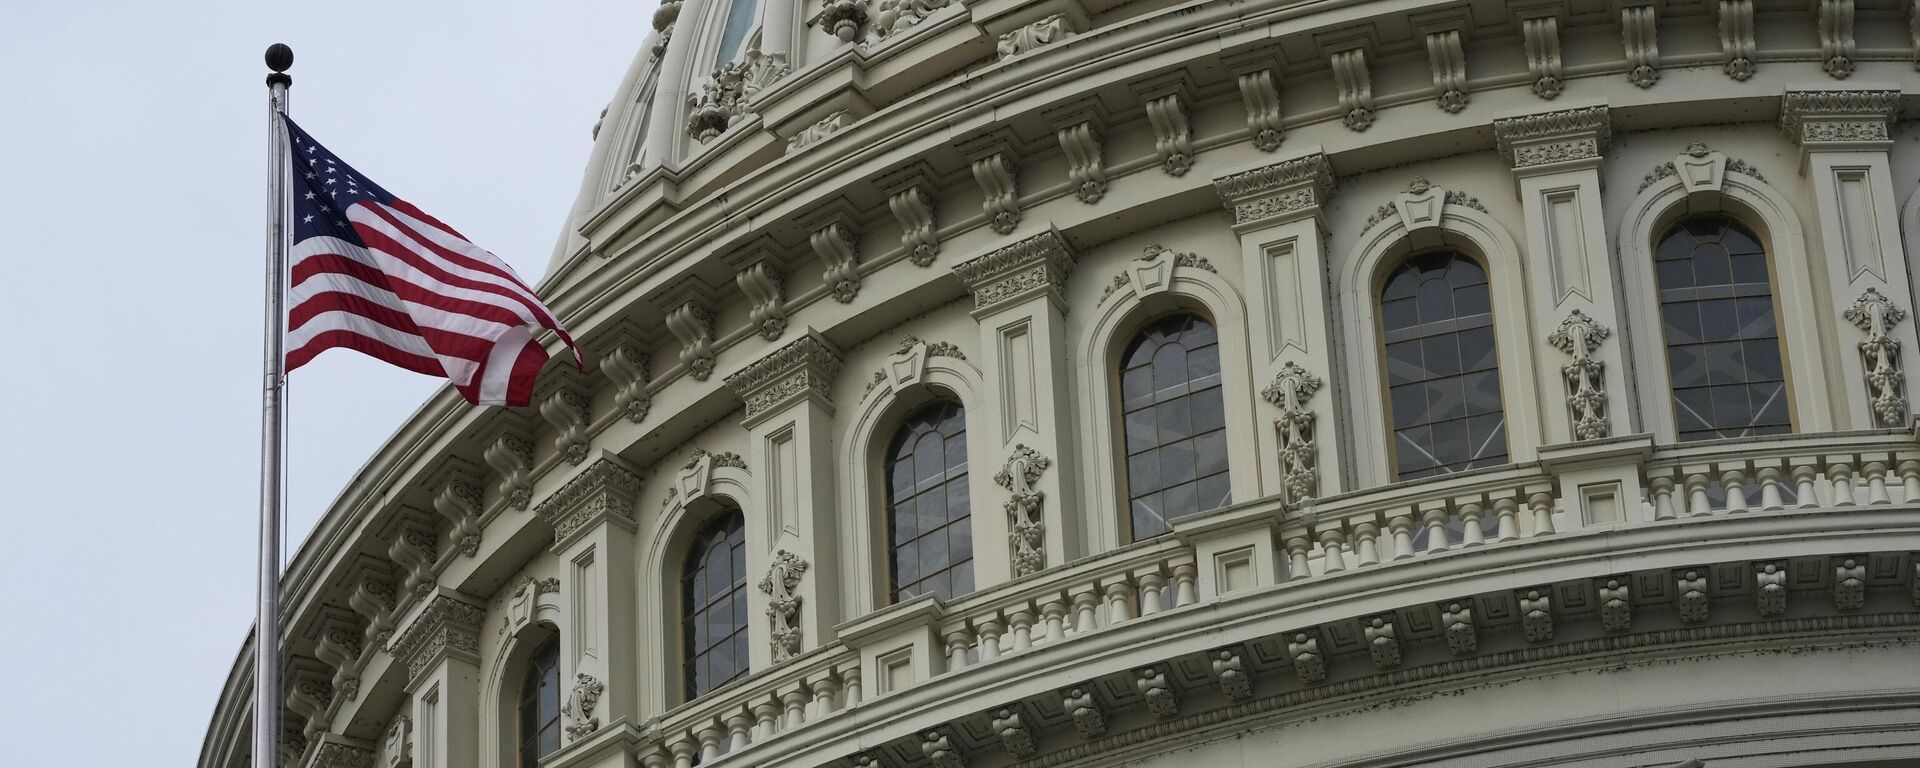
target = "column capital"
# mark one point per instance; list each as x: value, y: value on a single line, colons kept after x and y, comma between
x: 803, y: 369
x: 443, y: 627
x: 1036, y: 266
x: 340, y: 752
x: 1839, y: 119
x: 1554, y: 139
x: 1278, y: 192
x: 608, y: 490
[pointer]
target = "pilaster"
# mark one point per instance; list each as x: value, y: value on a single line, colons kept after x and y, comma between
x: 594, y: 523
x: 440, y: 649
x: 1844, y: 140
x: 1019, y: 300
x: 791, y: 539
x: 1556, y: 157
x: 1277, y: 213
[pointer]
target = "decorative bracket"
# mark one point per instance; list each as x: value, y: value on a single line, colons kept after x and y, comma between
x: 1736, y: 38
x: 1637, y: 27
x: 1449, y: 62
x: 765, y: 287
x: 1541, y: 37
x: 1085, y: 170
x: 692, y: 324
x: 1085, y: 712
x: 1172, y: 138
x: 626, y: 366
x: 511, y: 456
x: 910, y: 199
x: 566, y: 410
x: 1836, y: 37
x: 1355, y: 85
x: 835, y: 245
x: 1262, y: 99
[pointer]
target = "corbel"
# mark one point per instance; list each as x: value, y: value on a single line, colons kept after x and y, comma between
x: 370, y: 594
x: 1770, y: 589
x: 1539, y: 24
x: 1347, y: 52
x: 1167, y: 97
x: 1079, y: 127
x: 1690, y: 588
x: 1536, y: 614
x: 1085, y: 711
x: 1736, y: 38
x: 1446, y: 33
x: 1260, y: 93
x: 1014, y: 734
x: 565, y: 408
x: 1639, y: 20
x: 757, y: 271
x: 414, y: 549
x: 309, y: 694
x: 940, y: 749
x: 1382, y: 645
x: 835, y: 237
x: 910, y: 197
x: 1308, y: 662
x: 1231, y: 671
x: 995, y: 164
x: 338, y: 645
x: 1616, y: 605
x: 691, y: 322
x: 455, y: 486
x: 625, y: 364
x: 1158, y: 691
x: 1849, y: 583
x: 1456, y: 620
x: 510, y: 453
x: 1836, y: 37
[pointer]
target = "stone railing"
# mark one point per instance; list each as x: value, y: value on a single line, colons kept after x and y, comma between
x: 1259, y: 545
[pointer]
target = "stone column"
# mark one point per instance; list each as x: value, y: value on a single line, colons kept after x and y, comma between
x: 791, y: 538
x: 440, y: 647
x: 1843, y: 138
x: 1277, y: 213
x: 594, y: 520
x: 1556, y: 157
x: 1020, y: 302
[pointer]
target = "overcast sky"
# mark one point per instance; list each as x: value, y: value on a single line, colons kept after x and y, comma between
x: 132, y: 183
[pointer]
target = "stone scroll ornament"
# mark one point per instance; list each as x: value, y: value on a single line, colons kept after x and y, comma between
x: 1029, y: 534
x: 1579, y: 336
x: 1290, y: 391
x: 783, y: 605
x: 1876, y: 314
x: 580, y: 705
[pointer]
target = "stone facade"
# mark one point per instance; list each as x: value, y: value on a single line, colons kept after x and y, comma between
x: 984, y: 202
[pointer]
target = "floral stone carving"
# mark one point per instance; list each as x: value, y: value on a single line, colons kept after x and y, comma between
x: 1290, y: 391
x: 1875, y: 314
x: 724, y: 97
x: 783, y: 604
x: 843, y: 18
x: 579, y: 707
x: 1579, y: 336
x: 1029, y: 534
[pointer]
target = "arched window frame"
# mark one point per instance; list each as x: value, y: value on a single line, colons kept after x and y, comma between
x: 1814, y: 376
x: 890, y: 500
x: 1393, y: 268
x: 543, y: 659
x: 1379, y: 250
x: 720, y: 520
x: 1158, y: 286
x: 697, y: 493
x: 910, y: 380
x: 528, y: 627
x: 1186, y: 322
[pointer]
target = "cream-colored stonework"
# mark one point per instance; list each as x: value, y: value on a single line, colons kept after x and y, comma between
x: 781, y: 250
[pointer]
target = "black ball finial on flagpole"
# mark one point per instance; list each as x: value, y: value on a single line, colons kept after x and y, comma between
x: 279, y: 59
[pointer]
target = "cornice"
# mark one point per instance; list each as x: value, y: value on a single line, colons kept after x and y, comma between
x: 803, y: 368
x: 443, y: 627
x: 1555, y: 137
x: 1277, y: 192
x: 1036, y: 266
x: 608, y: 490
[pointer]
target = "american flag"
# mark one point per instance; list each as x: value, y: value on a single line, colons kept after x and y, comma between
x: 370, y: 272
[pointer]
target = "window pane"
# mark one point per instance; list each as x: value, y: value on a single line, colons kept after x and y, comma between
x: 1174, y: 432
x: 713, y: 605
x: 1443, y: 371
x: 1723, y: 346
x: 931, y: 538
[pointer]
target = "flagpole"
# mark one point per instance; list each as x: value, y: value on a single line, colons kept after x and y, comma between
x: 273, y: 423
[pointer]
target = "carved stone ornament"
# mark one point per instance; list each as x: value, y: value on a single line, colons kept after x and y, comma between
x: 1457, y: 621
x: 607, y: 491
x: 692, y: 324
x: 566, y: 411
x: 446, y: 627
x: 1770, y: 590
x: 940, y: 751
x: 843, y: 18
x: 1616, y: 611
x: 1536, y: 615
x: 1036, y: 265
x: 908, y: 363
x: 511, y: 457
x: 1736, y: 38
x: 1154, y: 687
x: 1172, y: 138
x: 1289, y: 391
x: 1691, y: 590
x: 1637, y: 28
x: 580, y: 704
x: 724, y: 96
x: 1014, y: 734
x: 1033, y: 36
x: 913, y: 208
x: 1382, y: 645
x: 1235, y: 683
x: 1448, y: 59
x: 1838, y: 117
x: 1422, y: 206
x: 1308, y: 663
x: 1262, y: 99
x: 783, y: 603
x: 1278, y: 190
x: 1579, y: 336
x: 838, y: 248
x: 819, y: 131
x: 1876, y: 314
x: 1849, y: 584
x: 396, y: 744
x: 896, y: 16
x: 766, y: 291
x: 336, y: 754
x: 1355, y: 86
x: 1554, y: 137
x: 663, y: 18
x: 1541, y: 37
x: 1085, y: 712
x: 1086, y: 171
x: 805, y: 367
x: 1028, y: 531
x: 626, y: 366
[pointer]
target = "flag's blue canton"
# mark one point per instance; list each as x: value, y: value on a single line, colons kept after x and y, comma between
x: 324, y: 187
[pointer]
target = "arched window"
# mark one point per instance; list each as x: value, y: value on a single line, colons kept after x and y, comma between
x: 1443, y: 376
x: 741, y: 17
x: 1175, y: 423
x: 1723, y: 345
x: 713, y: 608
x: 540, y: 705
x: 929, y: 520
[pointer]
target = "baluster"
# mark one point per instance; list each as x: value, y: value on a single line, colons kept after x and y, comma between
x: 656, y: 757
x: 1470, y: 534
x: 850, y: 684
x: 740, y: 728
x: 826, y: 695
x: 1435, y: 519
x: 1842, y: 475
x: 1401, y: 526
x: 1086, y: 604
x: 796, y: 703
x: 1770, y: 499
x: 710, y: 736
x: 768, y: 714
x: 1910, y: 476
x: 1541, y: 502
x: 1186, y: 584
x: 1297, y: 547
x: 684, y: 749
x: 1803, y: 485
x: 958, y: 641
x: 1020, y: 623
x: 1366, y: 543
x: 990, y: 629
x: 1662, y: 488
x: 1508, y: 510
x: 1697, y: 501
x: 1733, y: 477
x: 1332, y: 559
x: 1054, y: 612
x: 1876, y: 472
x: 1119, y: 602
x: 1152, y: 589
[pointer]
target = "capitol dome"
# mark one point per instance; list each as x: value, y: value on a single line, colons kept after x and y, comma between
x: 1356, y: 384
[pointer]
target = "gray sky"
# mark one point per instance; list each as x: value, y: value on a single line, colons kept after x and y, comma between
x: 132, y: 177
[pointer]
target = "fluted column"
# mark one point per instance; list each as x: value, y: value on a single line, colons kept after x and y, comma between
x: 440, y: 647
x: 594, y: 519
